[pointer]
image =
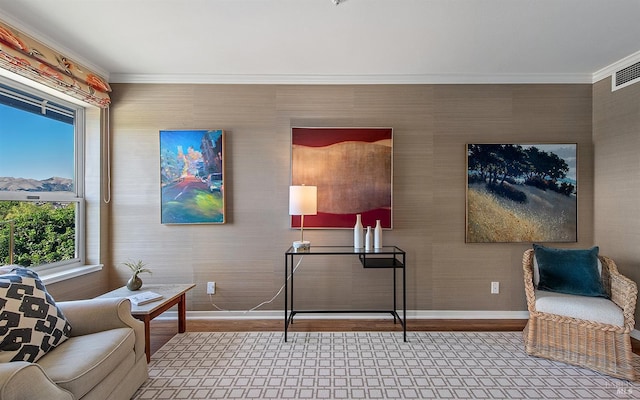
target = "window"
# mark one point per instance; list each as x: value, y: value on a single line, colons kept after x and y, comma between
x: 41, y: 178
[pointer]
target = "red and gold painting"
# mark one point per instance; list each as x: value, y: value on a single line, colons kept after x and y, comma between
x: 353, y: 170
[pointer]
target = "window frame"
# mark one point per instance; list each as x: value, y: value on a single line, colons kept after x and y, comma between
x: 76, y: 196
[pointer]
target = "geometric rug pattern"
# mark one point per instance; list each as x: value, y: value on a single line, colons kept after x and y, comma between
x: 367, y: 365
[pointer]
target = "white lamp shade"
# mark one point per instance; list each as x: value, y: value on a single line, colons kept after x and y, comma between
x: 303, y: 200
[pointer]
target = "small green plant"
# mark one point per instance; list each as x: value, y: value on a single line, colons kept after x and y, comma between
x: 137, y: 267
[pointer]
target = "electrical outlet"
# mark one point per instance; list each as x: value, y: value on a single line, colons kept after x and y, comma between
x: 495, y: 287
x: 211, y: 288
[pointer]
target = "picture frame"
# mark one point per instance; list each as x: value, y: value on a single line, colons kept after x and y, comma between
x: 521, y: 193
x: 353, y: 170
x: 192, y: 176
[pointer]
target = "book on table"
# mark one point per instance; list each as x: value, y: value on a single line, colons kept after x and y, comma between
x: 143, y: 298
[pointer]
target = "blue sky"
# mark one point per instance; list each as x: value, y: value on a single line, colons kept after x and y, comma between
x: 34, y: 146
x: 170, y: 140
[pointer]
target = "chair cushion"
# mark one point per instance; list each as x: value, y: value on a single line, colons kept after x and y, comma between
x: 30, y: 322
x: 82, y: 362
x: 596, y: 309
x: 569, y: 271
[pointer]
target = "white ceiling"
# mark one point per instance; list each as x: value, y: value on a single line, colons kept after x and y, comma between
x: 315, y: 41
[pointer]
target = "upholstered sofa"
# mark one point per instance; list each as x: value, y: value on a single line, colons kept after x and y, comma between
x: 103, y: 357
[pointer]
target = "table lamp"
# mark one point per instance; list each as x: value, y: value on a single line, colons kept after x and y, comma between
x: 303, y: 200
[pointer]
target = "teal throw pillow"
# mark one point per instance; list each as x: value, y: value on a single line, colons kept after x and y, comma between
x: 570, y: 271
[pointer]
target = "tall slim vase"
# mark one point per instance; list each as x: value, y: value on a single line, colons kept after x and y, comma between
x: 368, y: 239
x: 358, y: 240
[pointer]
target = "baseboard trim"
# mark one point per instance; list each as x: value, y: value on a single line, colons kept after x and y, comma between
x: 411, y: 314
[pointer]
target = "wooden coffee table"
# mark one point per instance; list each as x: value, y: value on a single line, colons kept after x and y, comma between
x: 172, y: 294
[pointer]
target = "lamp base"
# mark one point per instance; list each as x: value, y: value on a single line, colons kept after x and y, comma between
x: 302, y: 245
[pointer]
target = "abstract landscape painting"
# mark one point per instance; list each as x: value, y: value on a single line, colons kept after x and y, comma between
x: 192, y: 176
x: 352, y: 168
x: 521, y: 193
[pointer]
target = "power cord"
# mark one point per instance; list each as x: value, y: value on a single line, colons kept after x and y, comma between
x: 264, y: 302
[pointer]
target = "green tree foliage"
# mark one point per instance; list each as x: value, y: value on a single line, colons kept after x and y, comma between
x: 496, y: 163
x: 44, y: 232
x: 546, y: 165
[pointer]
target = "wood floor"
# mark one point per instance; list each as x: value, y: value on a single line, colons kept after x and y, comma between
x: 163, y: 330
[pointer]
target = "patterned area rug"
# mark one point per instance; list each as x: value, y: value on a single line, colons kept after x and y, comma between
x: 367, y: 365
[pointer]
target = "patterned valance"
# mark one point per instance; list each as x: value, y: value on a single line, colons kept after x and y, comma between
x: 25, y: 56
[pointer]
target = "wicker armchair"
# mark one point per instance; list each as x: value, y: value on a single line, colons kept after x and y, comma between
x: 601, y: 347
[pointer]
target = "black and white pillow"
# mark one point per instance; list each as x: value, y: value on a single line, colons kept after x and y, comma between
x: 30, y: 322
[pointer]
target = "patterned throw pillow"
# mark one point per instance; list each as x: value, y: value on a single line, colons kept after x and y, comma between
x: 30, y: 322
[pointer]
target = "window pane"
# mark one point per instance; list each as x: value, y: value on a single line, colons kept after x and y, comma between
x: 41, y: 180
x: 44, y: 232
x: 37, y: 152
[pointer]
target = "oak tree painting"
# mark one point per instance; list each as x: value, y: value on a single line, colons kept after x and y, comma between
x: 521, y: 193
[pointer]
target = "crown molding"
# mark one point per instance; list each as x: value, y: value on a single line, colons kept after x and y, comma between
x: 616, y: 66
x: 373, y: 79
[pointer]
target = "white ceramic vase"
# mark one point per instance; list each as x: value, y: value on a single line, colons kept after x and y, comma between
x: 377, y: 235
x: 368, y: 239
x: 357, y: 233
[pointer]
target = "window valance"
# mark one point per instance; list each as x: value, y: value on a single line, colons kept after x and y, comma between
x: 25, y: 56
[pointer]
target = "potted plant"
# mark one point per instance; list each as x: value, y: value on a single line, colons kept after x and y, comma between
x: 137, y: 267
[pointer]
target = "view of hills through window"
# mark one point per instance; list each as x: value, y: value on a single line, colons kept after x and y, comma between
x: 37, y: 173
x: 37, y: 152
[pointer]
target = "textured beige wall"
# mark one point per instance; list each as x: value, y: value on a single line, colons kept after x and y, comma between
x: 431, y: 125
x: 616, y: 136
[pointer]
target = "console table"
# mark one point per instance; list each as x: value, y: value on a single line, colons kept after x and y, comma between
x: 386, y: 257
